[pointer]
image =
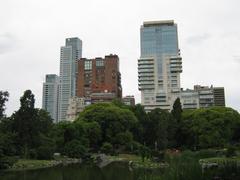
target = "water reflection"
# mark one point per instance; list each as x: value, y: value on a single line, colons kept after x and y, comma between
x: 115, y: 171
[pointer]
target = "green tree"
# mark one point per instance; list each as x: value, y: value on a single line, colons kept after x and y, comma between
x: 144, y: 152
x: 176, y: 124
x: 211, y: 127
x: 107, y: 148
x: 124, y: 138
x: 139, y: 130
x: 3, y: 99
x: 156, y: 129
x: 24, y: 122
x: 92, y: 132
x: 177, y: 110
x: 117, y: 102
x: 111, y: 119
x: 28, y: 123
x: 46, y: 148
x: 65, y: 132
x: 44, y: 121
x: 75, y: 149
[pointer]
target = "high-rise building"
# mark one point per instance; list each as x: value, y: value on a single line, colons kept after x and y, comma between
x: 50, y: 95
x: 160, y: 65
x: 99, y: 79
x: 70, y: 53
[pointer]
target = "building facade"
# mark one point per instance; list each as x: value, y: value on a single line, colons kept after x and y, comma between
x: 99, y: 79
x: 76, y: 105
x: 160, y: 65
x: 219, y: 96
x: 202, y: 97
x: 50, y: 95
x: 206, y: 98
x: 129, y: 100
x: 70, y: 53
x: 189, y: 99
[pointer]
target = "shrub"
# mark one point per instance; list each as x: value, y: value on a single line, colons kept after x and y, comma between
x: 107, y: 148
x: 7, y: 162
x: 144, y: 152
x: 207, y: 153
x: 33, y: 154
x: 231, y: 151
x: 157, y: 155
x: 45, y: 152
x: 133, y: 147
x: 75, y: 149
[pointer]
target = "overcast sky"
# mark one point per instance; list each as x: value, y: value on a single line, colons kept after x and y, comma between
x: 32, y: 31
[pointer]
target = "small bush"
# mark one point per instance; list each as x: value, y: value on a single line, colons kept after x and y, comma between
x: 75, y: 149
x: 107, y: 148
x: 206, y: 153
x: 7, y: 162
x: 159, y: 155
x: 45, y: 152
x: 33, y: 154
x: 231, y: 151
x: 133, y: 147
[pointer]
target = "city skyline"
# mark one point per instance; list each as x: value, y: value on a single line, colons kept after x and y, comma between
x: 208, y: 43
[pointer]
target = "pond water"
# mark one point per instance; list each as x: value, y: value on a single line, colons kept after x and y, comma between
x: 114, y: 171
x: 121, y: 171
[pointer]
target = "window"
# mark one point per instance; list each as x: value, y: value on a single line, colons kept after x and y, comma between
x: 87, y: 65
x: 100, y: 63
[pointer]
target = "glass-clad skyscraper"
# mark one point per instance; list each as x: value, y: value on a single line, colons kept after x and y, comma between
x: 70, y: 54
x: 159, y: 66
x: 50, y: 95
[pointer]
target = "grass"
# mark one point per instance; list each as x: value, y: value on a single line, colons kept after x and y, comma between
x: 221, y: 160
x: 137, y: 161
x: 32, y: 164
x: 227, y: 167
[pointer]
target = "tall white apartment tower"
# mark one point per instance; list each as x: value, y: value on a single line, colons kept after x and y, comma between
x: 50, y: 95
x: 160, y: 65
x: 70, y: 53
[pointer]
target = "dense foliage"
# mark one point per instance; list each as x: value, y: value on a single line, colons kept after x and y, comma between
x: 212, y: 127
x: 3, y: 99
x: 112, y: 128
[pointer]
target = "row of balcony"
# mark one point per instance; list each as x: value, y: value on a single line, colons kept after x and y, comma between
x: 176, y: 70
x: 146, y: 83
x: 145, y: 67
x: 145, y: 71
x: 145, y: 87
x: 140, y: 75
x: 145, y: 79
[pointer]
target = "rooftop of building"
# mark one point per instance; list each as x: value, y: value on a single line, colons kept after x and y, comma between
x: 158, y: 23
x: 200, y: 88
x: 100, y: 58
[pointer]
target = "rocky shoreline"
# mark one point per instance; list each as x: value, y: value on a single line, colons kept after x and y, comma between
x: 39, y: 164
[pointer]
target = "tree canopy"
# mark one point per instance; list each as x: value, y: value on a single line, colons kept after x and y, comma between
x: 3, y: 99
x: 112, y: 128
x: 112, y: 120
x: 211, y: 127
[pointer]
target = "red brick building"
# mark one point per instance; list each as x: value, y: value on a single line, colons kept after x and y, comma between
x: 99, y: 79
